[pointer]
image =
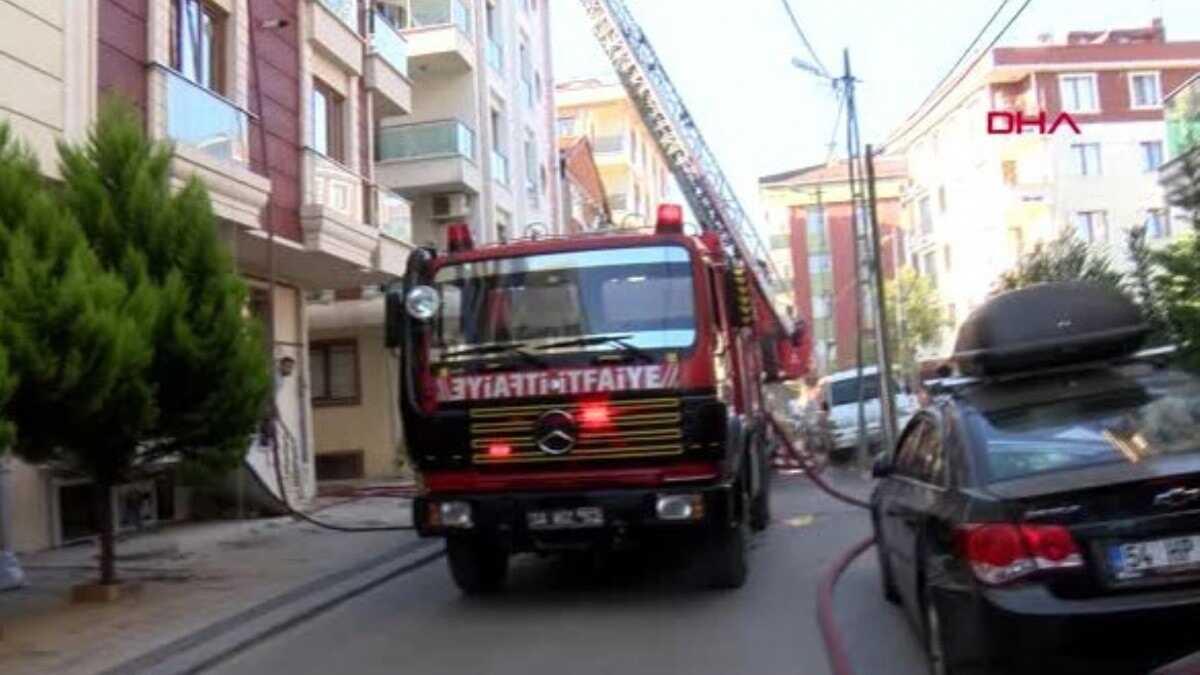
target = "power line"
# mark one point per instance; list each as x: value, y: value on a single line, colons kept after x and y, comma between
x: 966, y: 52
x: 803, y: 38
x: 982, y: 52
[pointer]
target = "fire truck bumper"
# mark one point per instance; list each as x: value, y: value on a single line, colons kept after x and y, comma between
x: 545, y: 521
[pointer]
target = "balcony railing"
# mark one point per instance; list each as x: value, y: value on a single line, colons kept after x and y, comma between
x: 426, y: 140
x: 1182, y: 111
x: 440, y: 13
x: 390, y: 44
x: 203, y: 119
x: 344, y: 10
x: 614, y: 143
x: 499, y: 167
x: 495, y: 55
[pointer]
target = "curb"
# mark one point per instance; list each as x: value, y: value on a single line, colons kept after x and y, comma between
x: 226, y: 637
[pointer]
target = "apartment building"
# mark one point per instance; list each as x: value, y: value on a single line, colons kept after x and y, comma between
x: 633, y: 170
x: 477, y: 146
x: 1182, y: 111
x: 272, y: 104
x: 976, y: 201
x: 811, y: 238
x: 585, y: 201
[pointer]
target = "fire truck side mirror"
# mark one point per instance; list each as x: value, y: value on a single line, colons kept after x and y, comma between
x: 742, y: 304
x: 394, y: 317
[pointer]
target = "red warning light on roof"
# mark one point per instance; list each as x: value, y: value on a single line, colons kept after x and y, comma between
x: 458, y: 238
x: 670, y: 219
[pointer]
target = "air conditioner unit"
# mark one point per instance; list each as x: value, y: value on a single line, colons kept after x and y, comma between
x: 451, y: 205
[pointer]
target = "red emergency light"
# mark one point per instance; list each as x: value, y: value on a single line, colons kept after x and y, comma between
x: 670, y: 219
x: 458, y: 238
x: 499, y: 450
x: 595, y: 415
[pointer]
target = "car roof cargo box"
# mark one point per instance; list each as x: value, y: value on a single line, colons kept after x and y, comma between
x: 1048, y: 325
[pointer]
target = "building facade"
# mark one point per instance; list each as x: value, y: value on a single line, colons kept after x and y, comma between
x: 477, y: 146
x: 988, y: 180
x: 585, y: 200
x: 632, y: 168
x: 273, y: 105
x: 809, y: 214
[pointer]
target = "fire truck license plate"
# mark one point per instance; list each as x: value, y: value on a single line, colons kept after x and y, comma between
x: 566, y: 519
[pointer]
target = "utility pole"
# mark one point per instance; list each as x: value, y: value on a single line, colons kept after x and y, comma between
x: 887, y: 399
x: 856, y: 199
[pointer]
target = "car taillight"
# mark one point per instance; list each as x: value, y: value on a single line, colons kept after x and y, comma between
x: 1001, y: 552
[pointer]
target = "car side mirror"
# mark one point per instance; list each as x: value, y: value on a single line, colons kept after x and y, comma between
x: 883, y: 467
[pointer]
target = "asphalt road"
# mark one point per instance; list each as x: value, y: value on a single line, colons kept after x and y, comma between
x: 638, y: 613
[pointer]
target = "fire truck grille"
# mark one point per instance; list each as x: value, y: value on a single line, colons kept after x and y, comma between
x: 629, y: 429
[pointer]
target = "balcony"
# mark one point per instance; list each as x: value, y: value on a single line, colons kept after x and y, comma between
x: 395, y: 223
x: 428, y: 157
x: 332, y: 214
x: 440, y: 36
x: 333, y: 29
x: 387, y: 70
x: 211, y: 137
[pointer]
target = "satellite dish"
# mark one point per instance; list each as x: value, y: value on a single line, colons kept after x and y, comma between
x: 535, y: 231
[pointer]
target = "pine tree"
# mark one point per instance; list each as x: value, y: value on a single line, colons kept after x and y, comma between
x: 209, y: 369
x: 77, y: 342
x: 1064, y: 258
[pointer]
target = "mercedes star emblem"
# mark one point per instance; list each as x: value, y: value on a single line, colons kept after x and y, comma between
x: 556, y: 432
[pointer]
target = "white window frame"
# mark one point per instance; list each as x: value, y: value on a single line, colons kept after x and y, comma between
x: 1157, y: 87
x: 1142, y: 145
x: 1094, y: 217
x: 1095, y: 92
x: 1081, y: 168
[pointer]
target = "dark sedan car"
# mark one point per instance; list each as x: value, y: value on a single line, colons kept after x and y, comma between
x: 1049, y: 522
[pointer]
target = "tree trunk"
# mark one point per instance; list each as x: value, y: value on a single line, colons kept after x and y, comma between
x: 108, y: 554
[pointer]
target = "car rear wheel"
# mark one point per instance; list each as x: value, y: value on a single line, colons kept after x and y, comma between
x: 478, y: 566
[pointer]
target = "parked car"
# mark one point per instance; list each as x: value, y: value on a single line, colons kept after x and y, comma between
x: 1043, y: 515
x: 839, y: 394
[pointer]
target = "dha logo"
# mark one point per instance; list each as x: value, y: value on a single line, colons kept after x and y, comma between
x: 1003, y: 122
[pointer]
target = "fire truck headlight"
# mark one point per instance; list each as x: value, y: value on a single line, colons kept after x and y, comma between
x: 422, y: 303
x: 679, y: 507
x: 451, y: 514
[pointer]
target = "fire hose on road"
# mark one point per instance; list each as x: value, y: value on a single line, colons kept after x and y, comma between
x: 835, y: 646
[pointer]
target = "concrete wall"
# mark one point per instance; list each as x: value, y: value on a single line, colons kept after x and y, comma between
x: 372, y: 425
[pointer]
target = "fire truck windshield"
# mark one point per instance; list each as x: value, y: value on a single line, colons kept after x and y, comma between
x: 643, y: 297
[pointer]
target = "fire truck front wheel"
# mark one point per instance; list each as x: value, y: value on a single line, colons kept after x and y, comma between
x: 727, y: 550
x: 477, y: 565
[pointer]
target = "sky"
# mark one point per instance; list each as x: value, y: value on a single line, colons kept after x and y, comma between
x: 731, y: 61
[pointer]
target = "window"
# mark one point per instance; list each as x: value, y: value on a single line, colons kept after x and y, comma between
x: 1092, y: 226
x: 327, y: 122
x: 819, y: 263
x: 1152, y: 156
x: 814, y: 219
x: 822, y: 307
x: 1008, y: 168
x: 926, y: 215
x: 1144, y: 91
x: 198, y: 43
x: 1078, y: 93
x: 566, y: 126
x: 930, y: 267
x: 1157, y: 224
x: 1085, y: 159
x: 333, y: 372
x: 781, y: 241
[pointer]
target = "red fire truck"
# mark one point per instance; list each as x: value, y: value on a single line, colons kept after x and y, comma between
x: 589, y: 391
x: 586, y: 392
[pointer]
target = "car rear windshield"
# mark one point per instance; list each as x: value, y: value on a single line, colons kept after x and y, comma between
x: 1074, y: 423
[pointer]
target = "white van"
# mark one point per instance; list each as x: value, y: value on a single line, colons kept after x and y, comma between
x: 839, y: 397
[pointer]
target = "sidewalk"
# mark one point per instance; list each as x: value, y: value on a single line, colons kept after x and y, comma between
x: 193, y: 575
